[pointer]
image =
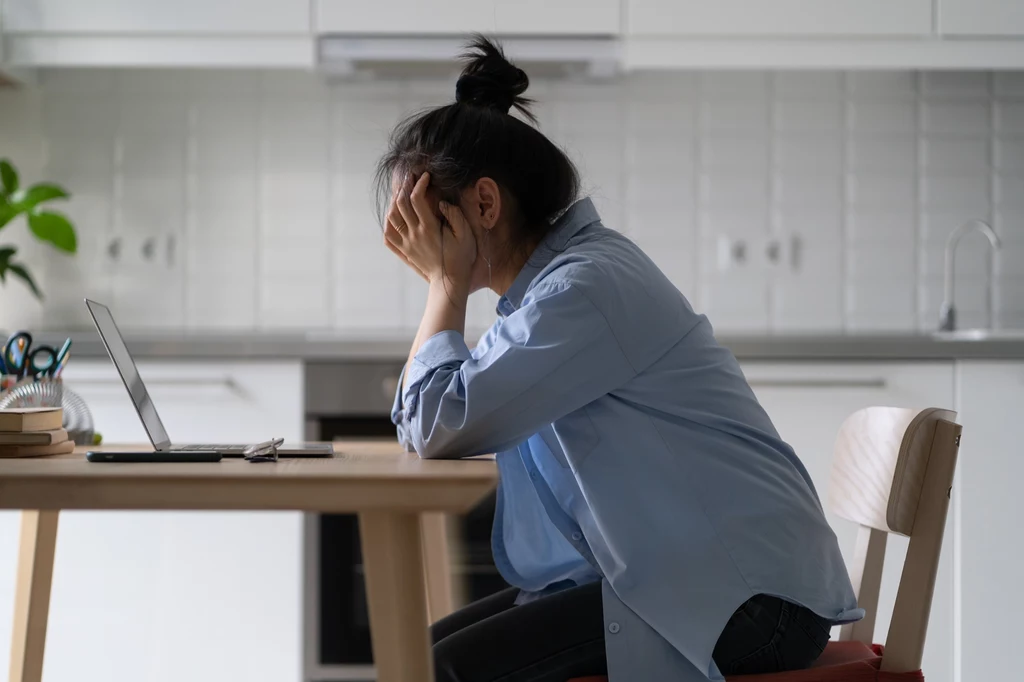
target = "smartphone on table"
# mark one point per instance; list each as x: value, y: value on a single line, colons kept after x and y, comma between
x: 155, y: 456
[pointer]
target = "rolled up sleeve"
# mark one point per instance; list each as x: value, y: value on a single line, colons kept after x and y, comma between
x: 398, y: 417
x: 552, y: 356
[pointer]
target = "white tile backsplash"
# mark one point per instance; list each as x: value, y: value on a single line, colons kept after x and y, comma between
x: 882, y: 115
x: 956, y: 153
x: 808, y: 115
x: 881, y: 190
x: 734, y: 114
x: 956, y: 115
x: 669, y: 116
x: 253, y: 192
x: 733, y: 190
x: 799, y: 308
x: 1009, y: 192
x: 970, y: 195
x: 881, y: 227
x: 1009, y: 225
x: 1009, y: 153
x: 797, y: 151
x: 962, y: 83
x: 882, y: 84
x: 882, y: 152
x: 647, y: 153
x: 819, y: 84
x: 742, y: 151
x: 1009, y: 116
x: 734, y: 84
x: 881, y: 302
x: 808, y: 190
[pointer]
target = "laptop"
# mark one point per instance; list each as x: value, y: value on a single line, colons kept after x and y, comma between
x: 122, y: 359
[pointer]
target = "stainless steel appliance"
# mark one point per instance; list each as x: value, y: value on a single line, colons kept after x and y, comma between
x: 352, y: 400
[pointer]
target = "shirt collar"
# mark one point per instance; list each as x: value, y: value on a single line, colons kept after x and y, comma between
x: 578, y: 216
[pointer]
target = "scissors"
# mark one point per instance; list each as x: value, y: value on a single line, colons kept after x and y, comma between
x: 21, y: 359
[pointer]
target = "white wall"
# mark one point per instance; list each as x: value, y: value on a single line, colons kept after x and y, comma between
x: 254, y: 188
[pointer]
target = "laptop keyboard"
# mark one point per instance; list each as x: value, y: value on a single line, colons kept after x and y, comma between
x: 217, y: 447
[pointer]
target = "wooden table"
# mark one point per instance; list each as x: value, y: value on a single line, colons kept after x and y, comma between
x: 401, y: 501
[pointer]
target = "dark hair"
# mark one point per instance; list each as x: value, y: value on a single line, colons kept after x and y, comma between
x: 476, y: 137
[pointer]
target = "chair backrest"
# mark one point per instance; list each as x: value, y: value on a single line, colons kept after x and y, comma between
x: 892, y: 472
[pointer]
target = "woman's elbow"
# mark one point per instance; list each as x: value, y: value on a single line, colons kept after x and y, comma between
x: 443, y: 444
x: 431, y: 449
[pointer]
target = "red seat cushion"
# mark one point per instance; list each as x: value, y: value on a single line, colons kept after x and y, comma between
x: 840, y: 662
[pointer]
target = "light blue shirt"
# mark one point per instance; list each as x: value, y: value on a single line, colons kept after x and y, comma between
x: 631, y: 450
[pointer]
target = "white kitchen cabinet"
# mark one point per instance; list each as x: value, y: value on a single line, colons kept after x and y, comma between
x: 130, y: 33
x: 989, y: 514
x: 164, y: 596
x: 456, y: 17
x: 150, y: 17
x: 723, y: 18
x: 198, y: 400
x: 808, y: 402
x: 981, y: 17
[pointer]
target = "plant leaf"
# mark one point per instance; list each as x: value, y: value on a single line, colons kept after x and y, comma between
x: 6, y: 253
x: 19, y: 270
x: 8, y: 176
x: 37, y: 194
x: 7, y: 212
x: 53, y: 228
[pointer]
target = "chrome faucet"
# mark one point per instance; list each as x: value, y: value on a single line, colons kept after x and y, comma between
x: 947, y: 314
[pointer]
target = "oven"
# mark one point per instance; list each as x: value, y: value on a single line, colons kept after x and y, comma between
x: 345, y: 401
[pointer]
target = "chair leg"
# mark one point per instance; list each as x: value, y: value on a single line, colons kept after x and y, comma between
x: 32, y: 595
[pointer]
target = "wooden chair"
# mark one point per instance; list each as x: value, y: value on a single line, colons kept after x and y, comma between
x: 892, y: 472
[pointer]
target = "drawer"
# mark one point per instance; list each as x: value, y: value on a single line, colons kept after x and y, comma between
x: 197, y: 400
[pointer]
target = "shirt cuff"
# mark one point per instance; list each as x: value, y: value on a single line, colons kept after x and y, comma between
x: 441, y: 349
x: 397, y: 406
x: 398, y: 417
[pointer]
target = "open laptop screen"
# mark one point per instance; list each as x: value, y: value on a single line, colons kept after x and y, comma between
x: 125, y: 365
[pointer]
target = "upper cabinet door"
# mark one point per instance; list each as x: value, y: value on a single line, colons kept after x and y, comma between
x: 723, y: 18
x: 981, y: 17
x: 158, y: 17
x: 453, y: 17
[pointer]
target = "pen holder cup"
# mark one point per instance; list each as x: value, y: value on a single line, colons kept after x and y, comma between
x: 52, y: 393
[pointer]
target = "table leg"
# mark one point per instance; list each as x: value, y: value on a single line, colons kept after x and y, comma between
x: 32, y: 594
x: 396, y: 595
x: 436, y: 549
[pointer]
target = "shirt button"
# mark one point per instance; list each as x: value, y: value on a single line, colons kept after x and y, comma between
x: 577, y: 536
x: 614, y: 628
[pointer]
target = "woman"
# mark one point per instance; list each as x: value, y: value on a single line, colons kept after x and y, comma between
x: 652, y: 522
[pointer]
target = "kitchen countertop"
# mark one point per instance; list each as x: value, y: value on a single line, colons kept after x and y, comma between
x: 391, y: 346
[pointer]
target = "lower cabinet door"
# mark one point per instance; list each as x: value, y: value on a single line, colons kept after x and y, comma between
x: 808, y: 402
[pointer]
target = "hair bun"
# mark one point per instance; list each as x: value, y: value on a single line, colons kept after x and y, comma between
x: 490, y: 80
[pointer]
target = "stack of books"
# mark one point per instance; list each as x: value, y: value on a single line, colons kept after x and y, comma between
x: 33, y: 432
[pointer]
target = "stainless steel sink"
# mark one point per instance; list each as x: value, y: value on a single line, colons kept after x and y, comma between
x: 981, y: 335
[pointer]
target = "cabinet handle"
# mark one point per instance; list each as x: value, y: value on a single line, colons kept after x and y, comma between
x: 877, y: 382
x: 222, y: 382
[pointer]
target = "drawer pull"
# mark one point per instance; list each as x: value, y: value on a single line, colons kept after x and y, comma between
x: 227, y: 383
x: 877, y: 382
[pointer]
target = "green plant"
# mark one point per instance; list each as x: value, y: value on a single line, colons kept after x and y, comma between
x: 47, y: 226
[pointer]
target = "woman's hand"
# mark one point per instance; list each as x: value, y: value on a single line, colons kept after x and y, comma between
x: 415, y: 233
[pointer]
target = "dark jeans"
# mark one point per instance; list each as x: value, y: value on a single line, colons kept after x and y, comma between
x: 561, y: 636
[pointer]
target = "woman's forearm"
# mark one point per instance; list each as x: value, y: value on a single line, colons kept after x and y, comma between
x: 445, y: 311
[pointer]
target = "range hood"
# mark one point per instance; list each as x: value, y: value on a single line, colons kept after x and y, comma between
x: 340, y: 54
